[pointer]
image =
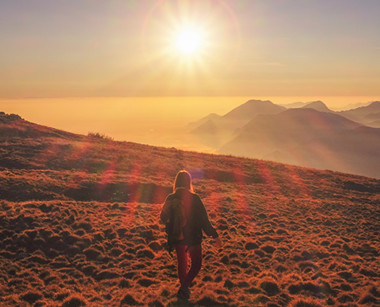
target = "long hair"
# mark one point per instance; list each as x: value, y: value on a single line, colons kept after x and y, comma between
x: 183, y: 180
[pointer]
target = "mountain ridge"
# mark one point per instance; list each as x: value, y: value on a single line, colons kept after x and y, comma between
x: 317, y: 105
x: 305, y: 136
x: 368, y: 115
x: 238, y: 139
x: 216, y: 130
x: 251, y: 108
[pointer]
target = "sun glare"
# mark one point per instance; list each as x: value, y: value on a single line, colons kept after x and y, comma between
x: 188, y: 41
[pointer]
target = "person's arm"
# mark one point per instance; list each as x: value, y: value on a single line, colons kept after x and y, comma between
x: 206, y: 224
x: 165, y: 212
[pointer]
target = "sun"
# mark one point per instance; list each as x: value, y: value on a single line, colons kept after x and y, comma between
x: 188, y: 41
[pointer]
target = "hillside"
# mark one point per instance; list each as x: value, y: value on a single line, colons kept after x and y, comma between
x: 79, y: 225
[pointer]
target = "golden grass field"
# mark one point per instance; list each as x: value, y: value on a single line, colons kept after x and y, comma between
x: 79, y: 225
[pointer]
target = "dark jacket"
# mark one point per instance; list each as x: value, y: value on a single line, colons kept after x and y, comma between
x: 195, y: 216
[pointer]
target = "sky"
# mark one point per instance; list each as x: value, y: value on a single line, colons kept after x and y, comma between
x: 129, y: 48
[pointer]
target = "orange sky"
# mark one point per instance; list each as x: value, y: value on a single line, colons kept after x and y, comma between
x: 80, y: 48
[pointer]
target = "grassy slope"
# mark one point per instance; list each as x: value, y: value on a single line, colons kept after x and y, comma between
x: 79, y: 223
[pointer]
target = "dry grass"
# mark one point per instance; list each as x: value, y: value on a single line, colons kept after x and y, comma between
x: 79, y: 225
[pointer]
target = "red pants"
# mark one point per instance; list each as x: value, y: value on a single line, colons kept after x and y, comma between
x: 185, y: 276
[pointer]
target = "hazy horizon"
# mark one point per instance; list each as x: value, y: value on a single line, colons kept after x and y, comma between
x: 148, y: 120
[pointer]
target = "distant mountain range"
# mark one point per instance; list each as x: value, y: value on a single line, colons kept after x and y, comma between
x: 317, y: 105
x: 367, y: 115
x: 312, y: 136
x: 346, y: 107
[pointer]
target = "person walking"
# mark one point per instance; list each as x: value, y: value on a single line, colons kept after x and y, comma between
x: 185, y: 218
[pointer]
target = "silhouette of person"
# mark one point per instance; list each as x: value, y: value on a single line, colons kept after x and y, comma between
x: 185, y: 217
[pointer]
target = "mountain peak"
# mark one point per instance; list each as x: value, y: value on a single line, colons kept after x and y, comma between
x: 256, y: 101
x: 317, y: 105
x: 252, y: 108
